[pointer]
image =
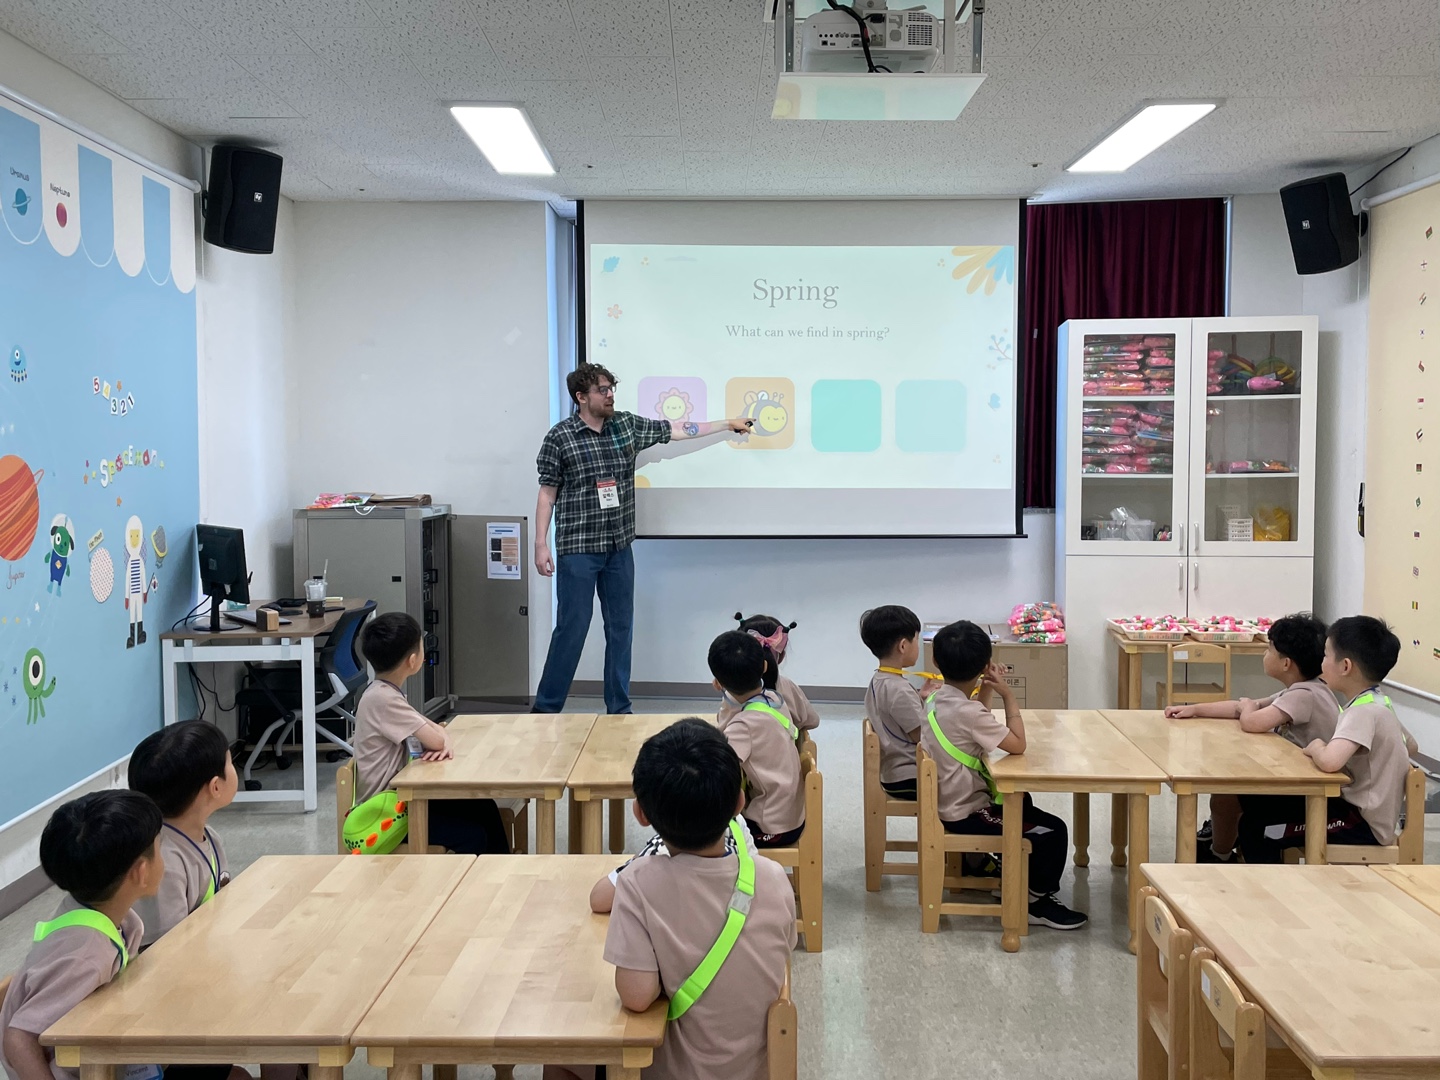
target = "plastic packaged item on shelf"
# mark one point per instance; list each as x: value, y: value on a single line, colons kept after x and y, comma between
x: 1047, y: 637
x: 1264, y: 384
x: 1220, y: 629
x: 1039, y: 609
x: 1273, y: 465
x: 1151, y: 628
x: 1272, y: 523
x: 1035, y: 626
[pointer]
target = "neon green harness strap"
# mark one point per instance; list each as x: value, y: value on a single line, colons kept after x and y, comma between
x: 87, y: 917
x: 971, y: 762
x: 1368, y: 698
x: 780, y: 717
x: 700, y: 980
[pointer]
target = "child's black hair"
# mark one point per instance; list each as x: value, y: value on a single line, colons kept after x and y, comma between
x: 738, y: 662
x: 389, y: 639
x: 1301, y: 640
x: 1367, y: 642
x: 687, y: 781
x: 765, y: 626
x: 173, y: 764
x: 90, y: 843
x: 882, y: 629
x: 962, y: 651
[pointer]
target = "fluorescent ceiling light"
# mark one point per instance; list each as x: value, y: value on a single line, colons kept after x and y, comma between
x: 506, y: 137
x: 1146, y: 131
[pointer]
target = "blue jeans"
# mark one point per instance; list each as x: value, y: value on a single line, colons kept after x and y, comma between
x: 577, y: 579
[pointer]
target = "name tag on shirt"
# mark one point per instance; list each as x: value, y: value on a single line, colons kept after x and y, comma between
x: 609, y: 492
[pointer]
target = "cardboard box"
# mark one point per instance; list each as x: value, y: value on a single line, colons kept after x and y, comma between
x: 1038, y: 674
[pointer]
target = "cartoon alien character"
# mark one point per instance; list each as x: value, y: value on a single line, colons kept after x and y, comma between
x: 62, y: 543
x: 765, y: 409
x: 134, y: 578
x: 674, y: 405
x: 17, y: 364
x: 35, y: 688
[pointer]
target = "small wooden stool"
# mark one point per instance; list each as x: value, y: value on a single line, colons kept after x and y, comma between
x: 880, y: 806
x: 806, y: 860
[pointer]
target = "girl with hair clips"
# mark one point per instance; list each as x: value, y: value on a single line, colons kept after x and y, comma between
x: 774, y: 637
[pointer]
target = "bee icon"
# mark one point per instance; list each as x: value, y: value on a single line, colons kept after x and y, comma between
x: 767, y: 410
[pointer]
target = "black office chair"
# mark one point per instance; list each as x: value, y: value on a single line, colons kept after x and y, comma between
x: 342, y: 675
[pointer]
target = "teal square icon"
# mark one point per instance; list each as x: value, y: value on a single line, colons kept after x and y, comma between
x: 845, y: 416
x: 930, y: 416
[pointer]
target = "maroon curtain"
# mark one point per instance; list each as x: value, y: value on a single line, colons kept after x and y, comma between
x: 1119, y: 260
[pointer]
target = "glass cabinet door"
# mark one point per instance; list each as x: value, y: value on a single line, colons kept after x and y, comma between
x: 1255, y: 491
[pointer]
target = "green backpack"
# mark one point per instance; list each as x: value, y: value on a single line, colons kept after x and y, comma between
x: 376, y: 826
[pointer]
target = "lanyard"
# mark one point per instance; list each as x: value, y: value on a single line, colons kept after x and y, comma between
x: 701, y: 978
x: 213, y: 865
x: 922, y: 674
x: 979, y: 765
x: 91, y: 918
x: 756, y: 705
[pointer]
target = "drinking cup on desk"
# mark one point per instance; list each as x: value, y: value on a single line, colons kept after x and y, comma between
x: 315, y: 597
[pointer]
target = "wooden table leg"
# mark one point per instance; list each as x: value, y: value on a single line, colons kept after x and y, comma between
x: 617, y: 826
x: 576, y: 845
x: 1316, y: 818
x: 97, y: 1072
x: 1118, y: 817
x: 1135, y: 696
x: 592, y: 823
x: 337, y: 1072
x: 1186, y: 809
x: 418, y: 826
x: 445, y: 1072
x: 545, y: 826
x: 1139, y: 853
x: 1082, y: 828
x: 504, y: 1072
x: 1012, y: 901
x: 1122, y: 678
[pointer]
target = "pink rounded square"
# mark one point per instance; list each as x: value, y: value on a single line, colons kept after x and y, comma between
x: 673, y: 398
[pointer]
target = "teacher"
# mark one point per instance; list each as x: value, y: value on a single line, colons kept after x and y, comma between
x: 587, y: 481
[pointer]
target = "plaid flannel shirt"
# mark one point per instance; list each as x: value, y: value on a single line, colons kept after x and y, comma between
x: 574, y: 458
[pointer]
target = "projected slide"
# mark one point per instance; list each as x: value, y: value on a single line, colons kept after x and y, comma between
x: 863, y: 367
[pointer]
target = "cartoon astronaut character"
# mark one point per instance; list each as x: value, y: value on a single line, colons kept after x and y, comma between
x: 62, y: 543
x: 134, y: 578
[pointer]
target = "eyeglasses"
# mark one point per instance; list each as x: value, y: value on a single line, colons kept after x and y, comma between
x: 604, y: 391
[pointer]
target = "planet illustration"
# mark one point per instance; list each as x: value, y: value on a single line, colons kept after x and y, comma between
x: 19, y: 506
x: 18, y: 371
x: 61, y: 214
x: 102, y: 575
x: 22, y: 202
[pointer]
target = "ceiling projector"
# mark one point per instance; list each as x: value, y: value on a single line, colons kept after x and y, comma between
x: 904, y: 41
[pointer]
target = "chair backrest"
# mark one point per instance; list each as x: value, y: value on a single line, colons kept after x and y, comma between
x: 869, y: 754
x: 1196, y: 652
x: 811, y: 781
x: 1217, y: 1005
x: 782, y: 1042
x: 344, y: 800
x: 1412, y: 835
x: 1164, y: 968
x: 927, y: 787
x: 341, y: 653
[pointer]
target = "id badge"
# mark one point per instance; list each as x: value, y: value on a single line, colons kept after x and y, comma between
x: 139, y: 1072
x: 609, y: 493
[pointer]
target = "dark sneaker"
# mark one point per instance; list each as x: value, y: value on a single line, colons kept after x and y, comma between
x: 981, y: 864
x: 1205, y: 830
x: 1048, y: 911
x: 1205, y: 853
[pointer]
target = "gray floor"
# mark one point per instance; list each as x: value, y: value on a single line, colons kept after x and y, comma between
x: 883, y: 1000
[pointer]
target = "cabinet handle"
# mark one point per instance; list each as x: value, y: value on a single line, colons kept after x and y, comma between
x: 1196, y: 545
x: 1180, y: 585
x: 1195, y: 576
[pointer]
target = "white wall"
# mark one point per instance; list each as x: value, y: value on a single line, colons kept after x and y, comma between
x: 420, y: 336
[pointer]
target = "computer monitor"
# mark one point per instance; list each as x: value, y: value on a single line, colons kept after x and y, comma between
x: 222, y: 567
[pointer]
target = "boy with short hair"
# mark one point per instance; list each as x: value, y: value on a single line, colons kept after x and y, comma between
x: 1305, y: 709
x: 1368, y: 742
x: 894, y: 706
x: 667, y: 913
x: 759, y: 727
x: 101, y: 850
x: 393, y: 644
x: 960, y: 733
x: 186, y: 770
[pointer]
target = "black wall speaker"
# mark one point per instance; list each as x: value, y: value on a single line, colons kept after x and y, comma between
x: 243, y: 199
x: 1324, y: 231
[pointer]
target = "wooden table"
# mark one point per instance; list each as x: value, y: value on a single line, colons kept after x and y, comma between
x: 604, y: 768
x: 1345, y: 965
x: 497, y: 756
x: 1421, y: 882
x: 1078, y: 752
x: 1215, y: 757
x: 512, y: 971
x: 279, y: 968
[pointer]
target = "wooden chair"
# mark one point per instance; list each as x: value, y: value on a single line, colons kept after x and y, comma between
x: 939, y: 871
x: 880, y: 806
x: 1229, y: 1036
x: 516, y: 823
x: 1188, y: 693
x: 1409, y: 846
x: 1163, y: 990
x: 806, y: 745
x: 782, y: 1041
x: 806, y: 860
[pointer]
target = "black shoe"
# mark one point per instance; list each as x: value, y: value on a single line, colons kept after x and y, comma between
x: 140, y: 635
x: 981, y: 864
x: 1205, y: 830
x: 1205, y: 853
x: 1048, y: 911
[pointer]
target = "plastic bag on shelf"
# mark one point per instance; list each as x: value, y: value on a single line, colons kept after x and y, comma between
x: 1272, y: 523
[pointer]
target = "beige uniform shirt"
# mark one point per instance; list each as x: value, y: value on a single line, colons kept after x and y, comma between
x: 897, y: 713
x: 190, y: 871
x: 1378, y: 769
x: 58, y: 974
x: 797, y: 703
x: 772, y: 765
x: 666, y: 916
x: 383, y: 721
x: 973, y: 728
x: 1312, y: 709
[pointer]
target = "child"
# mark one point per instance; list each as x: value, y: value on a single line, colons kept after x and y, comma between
x: 775, y: 636
x: 101, y: 850
x: 960, y: 733
x: 668, y: 912
x: 895, y: 707
x: 1306, y: 709
x: 393, y: 644
x: 186, y: 770
x: 759, y: 726
x: 1369, y: 743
